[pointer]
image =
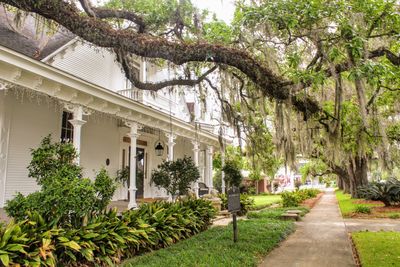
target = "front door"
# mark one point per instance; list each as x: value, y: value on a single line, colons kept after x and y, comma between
x: 140, y: 163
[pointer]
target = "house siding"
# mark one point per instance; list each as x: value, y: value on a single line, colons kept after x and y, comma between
x: 31, y: 120
x: 99, y: 142
x: 95, y: 65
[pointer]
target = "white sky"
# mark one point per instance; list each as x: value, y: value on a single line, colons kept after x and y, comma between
x: 224, y: 9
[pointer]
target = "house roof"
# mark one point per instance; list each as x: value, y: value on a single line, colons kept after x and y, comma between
x: 25, y: 38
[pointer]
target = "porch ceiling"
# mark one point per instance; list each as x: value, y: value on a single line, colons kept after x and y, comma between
x: 20, y: 70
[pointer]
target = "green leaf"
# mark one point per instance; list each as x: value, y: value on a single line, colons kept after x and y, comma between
x: 5, y: 259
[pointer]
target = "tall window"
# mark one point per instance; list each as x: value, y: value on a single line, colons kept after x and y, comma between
x: 67, y: 130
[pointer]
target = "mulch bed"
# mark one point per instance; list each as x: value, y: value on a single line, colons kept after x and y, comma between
x: 377, y: 212
x: 363, y: 201
x: 310, y: 203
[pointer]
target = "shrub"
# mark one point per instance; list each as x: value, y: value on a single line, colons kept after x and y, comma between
x: 290, y: 199
x: 106, y: 239
x: 363, y: 209
x: 293, y: 199
x: 51, y: 159
x: 246, y: 203
x: 386, y: 191
x: 233, y: 176
x: 176, y: 176
x: 394, y: 216
x: 65, y: 198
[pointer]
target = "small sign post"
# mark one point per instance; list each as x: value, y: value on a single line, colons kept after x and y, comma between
x: 234, y: 207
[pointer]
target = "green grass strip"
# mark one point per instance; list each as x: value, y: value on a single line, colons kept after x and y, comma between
x: 378, y: 249
x: 262, y: 201
x: 215, y: 247
x: 348, y: 205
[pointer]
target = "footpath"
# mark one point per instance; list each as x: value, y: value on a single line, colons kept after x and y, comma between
x: 320, y: 240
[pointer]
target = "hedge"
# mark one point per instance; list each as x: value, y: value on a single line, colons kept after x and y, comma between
x: 106, y: 239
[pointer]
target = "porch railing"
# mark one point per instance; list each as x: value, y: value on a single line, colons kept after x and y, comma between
x: 133, y: 93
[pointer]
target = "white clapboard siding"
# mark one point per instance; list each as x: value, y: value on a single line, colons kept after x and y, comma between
x: 30, y: 122
x: 92, y: 64
x: 100, y: 141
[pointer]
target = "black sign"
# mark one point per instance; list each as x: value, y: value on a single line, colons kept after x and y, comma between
x: 234, y: 200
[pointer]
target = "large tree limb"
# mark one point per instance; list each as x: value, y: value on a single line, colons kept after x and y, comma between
x: 124, y: 59
x: 102, y: 34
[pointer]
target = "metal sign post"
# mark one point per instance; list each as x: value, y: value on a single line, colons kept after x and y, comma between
x: 234, y: 207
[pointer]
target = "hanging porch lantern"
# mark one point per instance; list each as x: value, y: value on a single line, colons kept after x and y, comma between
x: 159, y: 147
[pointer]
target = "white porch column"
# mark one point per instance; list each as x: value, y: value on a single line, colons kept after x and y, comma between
x: 5, y: 122
x: 196, y: 150
x: 222, y: 172
x: 133, y: 134
x: 77, y: 122
x: 171, y: 138
x: 210, y: 150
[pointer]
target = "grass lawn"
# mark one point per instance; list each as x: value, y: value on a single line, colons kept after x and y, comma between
x: 215, y: 247
x: 378, y: 249
x: 262, y: 201
x: 274, y: 213
x: 348, y: 205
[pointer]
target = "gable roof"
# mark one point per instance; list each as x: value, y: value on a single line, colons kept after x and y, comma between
x: 26, y: 40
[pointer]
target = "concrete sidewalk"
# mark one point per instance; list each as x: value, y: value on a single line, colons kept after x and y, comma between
x: 372, y: 225
x: 320, y: 240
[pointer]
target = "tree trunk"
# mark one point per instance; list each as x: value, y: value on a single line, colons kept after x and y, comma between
x: 358, y: 173
x: 346, y: 186
x: 339, y: 182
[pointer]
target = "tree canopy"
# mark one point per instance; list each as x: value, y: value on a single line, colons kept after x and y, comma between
x: 325, y: 72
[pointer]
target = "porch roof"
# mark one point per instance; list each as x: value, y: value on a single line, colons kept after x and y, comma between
x: 21, y: 70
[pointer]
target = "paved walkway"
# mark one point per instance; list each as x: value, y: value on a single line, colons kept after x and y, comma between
x: 372, y: 225
x: 320, y: 240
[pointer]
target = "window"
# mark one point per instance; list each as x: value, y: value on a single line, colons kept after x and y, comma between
x: 67, y: 130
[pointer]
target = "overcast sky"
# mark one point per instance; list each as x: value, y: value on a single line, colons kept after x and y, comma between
x: 223, y: 8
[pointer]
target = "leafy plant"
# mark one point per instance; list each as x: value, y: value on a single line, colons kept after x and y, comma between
x: 290, y: 199
x: 246, y: 203
x: 51, y: 159
x: 233, y: 176
x: 176, y: 176
x: 65, y: 198
x: 363, y: 209
x: 293, y: 199
x: 122, y: 176
x: 386, y: 191
x: 106, y: 238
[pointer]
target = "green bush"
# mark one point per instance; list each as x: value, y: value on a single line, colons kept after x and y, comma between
x: 386, y: 191
x: 176, y: 176
x: 65, y: 198
x: 291, y: 199
x: 363, y: 209
x: 106, y: 239
x: 233, y: 176
x: 246, y: 203
x: 295, y: 198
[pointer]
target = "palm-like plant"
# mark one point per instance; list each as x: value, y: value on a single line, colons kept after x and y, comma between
x: 386, y: 191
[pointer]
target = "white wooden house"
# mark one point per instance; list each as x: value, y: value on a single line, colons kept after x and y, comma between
x: 62, y: 86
